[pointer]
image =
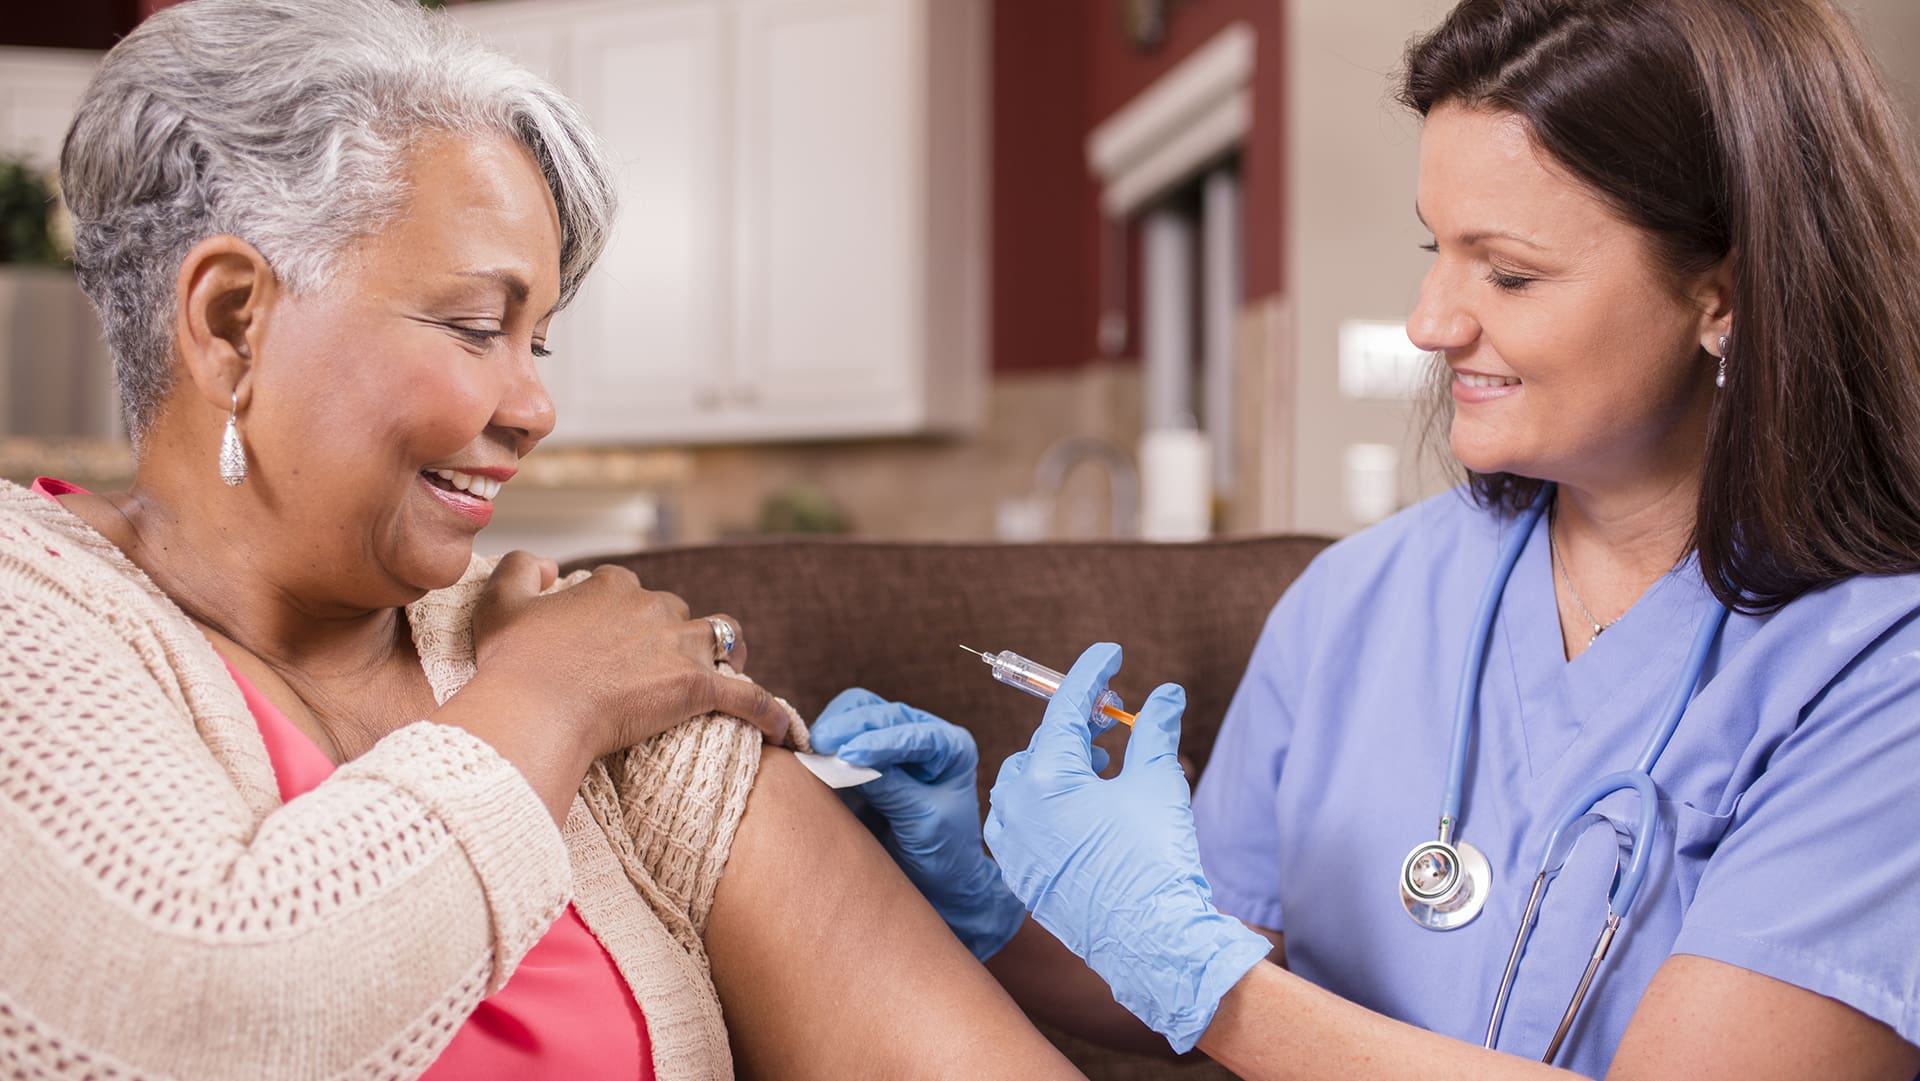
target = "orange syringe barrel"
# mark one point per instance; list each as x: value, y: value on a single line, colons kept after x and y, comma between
x: 1042, y: 682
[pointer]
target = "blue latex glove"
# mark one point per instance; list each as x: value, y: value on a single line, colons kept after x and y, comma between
x: 925, y: 794
x: 1112, y: 867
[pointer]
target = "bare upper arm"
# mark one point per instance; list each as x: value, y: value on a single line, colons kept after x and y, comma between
x: 830, y: 965
x: 1705, y: 1019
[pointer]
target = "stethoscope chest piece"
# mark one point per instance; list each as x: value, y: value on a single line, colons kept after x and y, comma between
x: 1445, y: 885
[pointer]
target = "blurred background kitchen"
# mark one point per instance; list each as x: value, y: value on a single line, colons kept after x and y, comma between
x: 929, y: 269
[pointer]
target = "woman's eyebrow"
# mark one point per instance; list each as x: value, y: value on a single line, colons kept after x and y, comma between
x: 516, y: 286
x: 1477, y: 235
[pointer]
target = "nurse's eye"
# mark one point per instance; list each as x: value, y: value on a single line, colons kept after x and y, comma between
x: 540, y: 351
x: 1431, y: 246
x: 1511, y: 283
x: 480, y: 336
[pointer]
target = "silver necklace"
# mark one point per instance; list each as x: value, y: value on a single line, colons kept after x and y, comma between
x: 1553, y: 550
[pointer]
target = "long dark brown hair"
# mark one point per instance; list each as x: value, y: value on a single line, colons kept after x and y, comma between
x: 1756, y: 130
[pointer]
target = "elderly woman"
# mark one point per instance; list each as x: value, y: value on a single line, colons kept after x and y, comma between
x: 291, y: 786
x: 1675, y: 245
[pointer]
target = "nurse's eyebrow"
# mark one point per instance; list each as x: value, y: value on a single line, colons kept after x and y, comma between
x: 1472, y: 237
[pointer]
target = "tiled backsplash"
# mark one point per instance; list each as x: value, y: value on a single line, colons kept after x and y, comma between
x: 928, y: 489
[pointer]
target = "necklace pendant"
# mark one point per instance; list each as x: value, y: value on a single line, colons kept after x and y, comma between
x: 1596, y: 635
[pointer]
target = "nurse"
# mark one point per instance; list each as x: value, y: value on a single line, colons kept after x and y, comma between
x: 1675, y: 253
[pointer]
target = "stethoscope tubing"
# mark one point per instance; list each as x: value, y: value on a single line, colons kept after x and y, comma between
x: 1640, y: 778
x: 1467, y: 696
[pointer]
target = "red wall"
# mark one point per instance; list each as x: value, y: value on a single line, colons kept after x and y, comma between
x: 1046, y: 222
x: 1060, y: 68
x: 77, y: 24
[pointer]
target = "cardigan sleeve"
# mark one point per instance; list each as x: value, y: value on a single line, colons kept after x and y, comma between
x: 162, y: 923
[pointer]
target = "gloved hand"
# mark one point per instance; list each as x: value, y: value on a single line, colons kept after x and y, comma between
x: 925, y: 793
x: 1112, y: 867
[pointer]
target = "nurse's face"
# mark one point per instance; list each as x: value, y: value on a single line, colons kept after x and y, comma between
x: 1576, y: 357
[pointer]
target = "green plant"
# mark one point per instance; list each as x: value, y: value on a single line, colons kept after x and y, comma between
x: 802, y: 509
x: 27, y: 209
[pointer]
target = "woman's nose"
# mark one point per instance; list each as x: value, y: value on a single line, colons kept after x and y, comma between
x: 1439, y: 322
x: 525, y: 408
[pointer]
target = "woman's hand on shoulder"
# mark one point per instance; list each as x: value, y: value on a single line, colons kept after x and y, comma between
x: 615, y: 661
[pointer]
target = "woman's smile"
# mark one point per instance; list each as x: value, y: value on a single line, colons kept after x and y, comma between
x: 468, y: 493
x: 1471, y: 388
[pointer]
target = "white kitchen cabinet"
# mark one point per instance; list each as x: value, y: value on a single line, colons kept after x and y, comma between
x: 801, y: 250
x: 39, y: 91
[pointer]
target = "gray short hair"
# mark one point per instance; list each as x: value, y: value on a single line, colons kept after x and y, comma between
x: 287, y: 123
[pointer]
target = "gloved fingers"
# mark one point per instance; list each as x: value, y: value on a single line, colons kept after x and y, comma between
x: 913, y: 805
x: 928, y: 748
x: 1156, y: 730
x: 1001, y: 795
x: 842, y: 720
x: 1010, y: 773
x: 992, y: 828
x: 1100, y: 758
x: 838, y: 727
x: 851, y: 698
x: 893, y: 792
x: 1064, y: 740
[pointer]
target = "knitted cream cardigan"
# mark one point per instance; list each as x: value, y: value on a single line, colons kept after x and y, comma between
x: 164, y: 915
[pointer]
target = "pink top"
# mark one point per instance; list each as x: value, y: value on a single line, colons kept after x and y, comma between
x: 566, y: 1013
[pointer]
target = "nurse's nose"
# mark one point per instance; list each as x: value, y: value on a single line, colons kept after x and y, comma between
x: 1439, y: 321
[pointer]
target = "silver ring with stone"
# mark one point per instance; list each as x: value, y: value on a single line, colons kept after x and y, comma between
x: 724, y: 637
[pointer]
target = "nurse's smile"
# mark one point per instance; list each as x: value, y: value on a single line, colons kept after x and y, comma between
x: 1471, y: 388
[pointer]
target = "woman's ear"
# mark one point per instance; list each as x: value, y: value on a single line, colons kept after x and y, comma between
x: 1713, y: 293
x: 224, y: 290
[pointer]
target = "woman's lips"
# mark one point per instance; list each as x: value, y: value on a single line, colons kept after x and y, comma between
x: 1473, y: 388
x: 473, y: 508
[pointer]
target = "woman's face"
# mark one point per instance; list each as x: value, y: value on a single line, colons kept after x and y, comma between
x: 1575, y: 357
x: 417, y: 359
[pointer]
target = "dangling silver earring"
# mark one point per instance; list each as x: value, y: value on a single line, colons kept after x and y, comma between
x: 233, y: 456
x: 1720, y: 379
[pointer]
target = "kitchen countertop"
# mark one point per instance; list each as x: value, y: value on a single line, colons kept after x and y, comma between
x: 106, y: 463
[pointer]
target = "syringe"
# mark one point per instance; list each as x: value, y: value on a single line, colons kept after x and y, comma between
x: 1042, y: 682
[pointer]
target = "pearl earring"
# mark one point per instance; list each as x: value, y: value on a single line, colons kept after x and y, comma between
x: 1720, y: 379
x: 233, y: 455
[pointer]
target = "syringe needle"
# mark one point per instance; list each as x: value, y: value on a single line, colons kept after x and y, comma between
x: 973, y: 651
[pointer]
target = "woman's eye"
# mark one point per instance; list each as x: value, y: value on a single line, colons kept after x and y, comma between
x: 476, y: 335
x: 1511, y: 283
x: 540, y: 350
x: 1431, y: 246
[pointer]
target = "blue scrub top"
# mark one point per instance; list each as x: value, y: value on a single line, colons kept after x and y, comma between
x: 1789, y: 813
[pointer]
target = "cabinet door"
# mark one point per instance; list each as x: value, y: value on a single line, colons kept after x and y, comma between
x: 646, y: 350
x: 528, y: 33
x: 39, y: 91
x: 830, y: 265
x: 641, y: 355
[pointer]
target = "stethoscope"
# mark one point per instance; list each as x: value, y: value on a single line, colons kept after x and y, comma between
x: 1444, y: 883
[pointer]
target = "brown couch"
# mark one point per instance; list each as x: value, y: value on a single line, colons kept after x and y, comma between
x: 822, y: 615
